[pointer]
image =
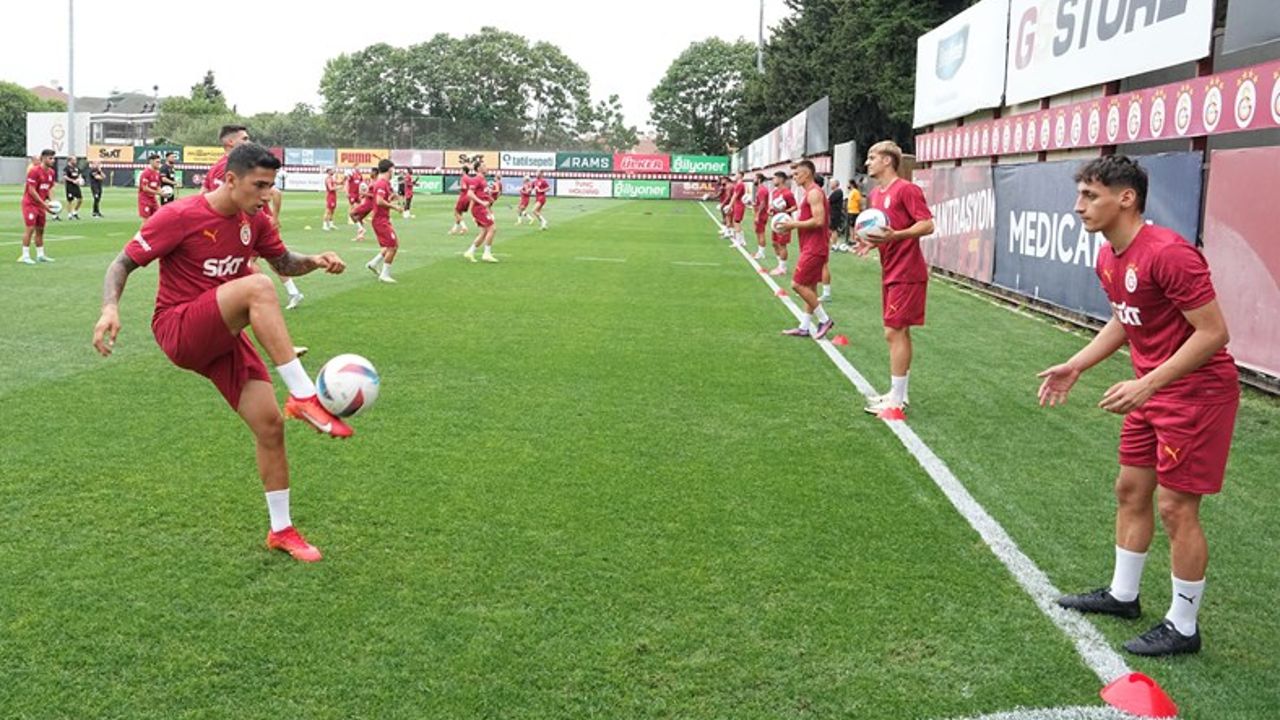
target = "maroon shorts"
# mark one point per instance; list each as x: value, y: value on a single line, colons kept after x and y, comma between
x: 762, y: 221
x: 360, y: 212
x: 481, y: 215
x: 782, y: 238
x: 809, y: 268
x: 196, y: 338
x: 904, y: 304
x: 524, y: 201
x: 542, y: 201
x: 1187, y: 444
x: 385, y: 233
x: 147, y: 209
x: 352, y: 199
x: 461, y: 205
x: 738, y: 212
x: 32, y: 216
x: 330, y: 202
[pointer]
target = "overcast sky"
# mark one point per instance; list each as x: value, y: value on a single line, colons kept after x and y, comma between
x: 269, y: 55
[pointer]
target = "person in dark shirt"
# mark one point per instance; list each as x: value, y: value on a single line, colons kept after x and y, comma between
x: 96, y: 177
x: 168, y: 179
x: 71, y: 174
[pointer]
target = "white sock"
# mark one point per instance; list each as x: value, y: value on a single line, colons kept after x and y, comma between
x: 826, y: 289
x: 806, y: 321
x: 897, y: 389
x: 278, y: 509
x: 488, y: 251
x: 782, y: 264
x: 821, y: 314
x: 296, y: 379
x: 26, y: 251
x: 906, y: 385
x: 376, y: 261
x: 1128, y: 574
x: 386, y: 269
x: 39, y: 251
x: 292, y: 287
x: 1185, y: 605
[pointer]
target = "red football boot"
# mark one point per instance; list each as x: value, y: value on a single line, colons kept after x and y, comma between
x: 312, y: 412
x: 291, y: 542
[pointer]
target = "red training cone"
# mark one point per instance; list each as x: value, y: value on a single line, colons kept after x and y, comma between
x: 892, y: 414
x: 840, y: 340
x: 1138, y: 694
x: 781, y: 293
x: 762, y: 271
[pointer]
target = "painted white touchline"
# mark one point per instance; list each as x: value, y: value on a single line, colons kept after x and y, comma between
x: 56, y: 238
x: 1093, y: 648
x: 600, y: 259
x: 686, y: 263
x: 1078, y: 712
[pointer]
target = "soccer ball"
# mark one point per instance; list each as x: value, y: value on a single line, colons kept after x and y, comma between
x: 870, y: 223
x: 55, y: 207
x: 167, y: 190
x: 347, y: 385
x: 706, y: 197
x: 779, y: 203
x: 779, y: 219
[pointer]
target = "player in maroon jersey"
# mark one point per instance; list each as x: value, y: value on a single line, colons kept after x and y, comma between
x: 330, y: 198
x: 811, y: 221
x: 495, y: 188
x: 354, y: 196
x: 476, y: 188
x: 738, y: 210
x: 363, y: 207
x: 208, y: 296
x: 781, y: 200
x: 463, y: 203
x: 1179, y: 410
x: 408, y: 180
x: 35, y: 203
x: 230, y: 136
x: 904, y: 275
x: 541, y: 186
x: 526, y: 193
x: 149, y: 188
x: 760, y: 212
x: 383, y: 198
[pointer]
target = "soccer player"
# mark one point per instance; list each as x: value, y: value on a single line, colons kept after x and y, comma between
x: 35, y: 203
x: 354, y: 180
x: 526, y: 192
x: 738, y: 210
x: 73, y: 181
x: 463, y: 203
x: 149, y: 188
x: 408, y: 181
x: 722, y: 196
x: 168, y: 178
x: 495, y: 188
x: 360, y: 211
x: 96, y: 178
x: 383, y: 203
x: 477, y: 190
x: 208, y: 296
x: 541, y: 186
x: 1179, y: 411
x: 760, y: 211
x: 230, y: 136
x: 835, y: 198
x: 330, y: 198
x: 811, y: 221
x: 904, y: 273
x: 781, y: 200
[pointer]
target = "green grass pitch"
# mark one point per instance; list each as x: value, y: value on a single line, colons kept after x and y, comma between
x: 598, y: 484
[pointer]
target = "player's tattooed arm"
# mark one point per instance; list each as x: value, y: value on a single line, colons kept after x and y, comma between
x: 292, y: 264
x: 117, y: 276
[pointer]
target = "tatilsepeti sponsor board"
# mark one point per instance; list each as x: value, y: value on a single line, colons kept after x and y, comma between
x: 1061, y: 45
x: 572, y: 187
x: 511, y: 160
x: 960, y: 64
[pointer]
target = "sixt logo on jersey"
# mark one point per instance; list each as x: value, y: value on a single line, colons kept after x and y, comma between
x: 1081, y: 21
x: 951, y: 52
x: 1127, y: 314
x: 222, y: 267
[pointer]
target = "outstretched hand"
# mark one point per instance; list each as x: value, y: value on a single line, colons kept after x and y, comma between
x: 330, y: 262
x: 105, y: 332
x: 1058, y: 381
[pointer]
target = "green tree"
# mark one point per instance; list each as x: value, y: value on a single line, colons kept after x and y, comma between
x: 695, y: 104
x: 15, y: 102
x: 609, y: 129
x: 208, y: 90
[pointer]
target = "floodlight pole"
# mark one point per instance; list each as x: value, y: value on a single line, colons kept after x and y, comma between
x: 71, y: 77
x: 760, y: 42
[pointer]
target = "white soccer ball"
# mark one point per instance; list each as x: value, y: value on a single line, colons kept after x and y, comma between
x: 779, y: 203
x: 706, y: 197
x: 870, y: 223
x: 779, y: 219
x: 347, y: 385
x: 166, y: 190
x: 55, y: 207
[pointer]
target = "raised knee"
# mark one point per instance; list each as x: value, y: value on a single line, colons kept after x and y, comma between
x: 261, y: 287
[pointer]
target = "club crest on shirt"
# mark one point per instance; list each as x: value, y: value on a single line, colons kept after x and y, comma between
x: 1131, y: 278
x: 246, y: 234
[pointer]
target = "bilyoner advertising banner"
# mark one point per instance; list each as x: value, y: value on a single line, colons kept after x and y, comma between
x: 642, y: 189
x: 963, y: 202
x: 1042, y: 248
x: 700, y: 164
x: 1243, y: 253
x: 960, y: 64
x: 1061, y: 45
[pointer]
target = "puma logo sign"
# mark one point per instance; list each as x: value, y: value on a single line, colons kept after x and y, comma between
x: 211, y: 234
x: 1172, y: 452
x: 1190, y: 600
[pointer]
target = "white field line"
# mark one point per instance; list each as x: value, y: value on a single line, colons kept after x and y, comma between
x: 686, y: 263
x: 47, y: 238
x: 1078, y: 712
x: 589, y: 258
x: 1090, y: 644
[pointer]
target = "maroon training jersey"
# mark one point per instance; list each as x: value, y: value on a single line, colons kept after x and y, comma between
x: 762, y: 199
x: 787, y: 197
x: 149, y: 180
x: 541, y: 187
x: 199, y: 248
x: 1150, y: 284
x: 41, y: 179
x: 477, y: 184
x: 213, y: 179
x: 381, y: 190
x: 409, y: 182
x: 813, y: 241
x: 903, y: 203
x: 737, y: 194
